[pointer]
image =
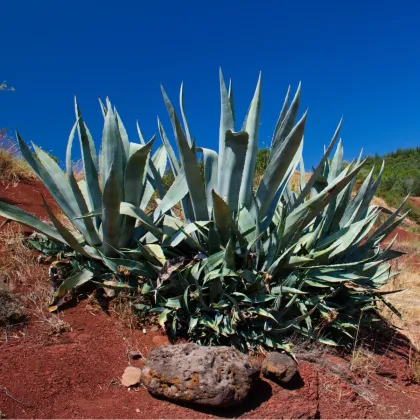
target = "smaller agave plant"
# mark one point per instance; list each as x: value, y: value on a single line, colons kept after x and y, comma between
x: 105, y: 211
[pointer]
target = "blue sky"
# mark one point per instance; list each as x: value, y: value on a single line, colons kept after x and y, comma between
x: 357, y: 59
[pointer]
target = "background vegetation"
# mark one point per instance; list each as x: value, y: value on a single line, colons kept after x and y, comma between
x: 401, y: 177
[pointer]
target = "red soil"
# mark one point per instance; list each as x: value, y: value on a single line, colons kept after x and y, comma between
x: 76, y: 374
x: 27, y: 196
x: 404, y: 236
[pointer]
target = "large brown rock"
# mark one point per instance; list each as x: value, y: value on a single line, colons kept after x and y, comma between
x: 279, y: 367
x: 211, y: 376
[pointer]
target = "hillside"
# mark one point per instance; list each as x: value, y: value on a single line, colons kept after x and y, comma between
x: 401, y: 177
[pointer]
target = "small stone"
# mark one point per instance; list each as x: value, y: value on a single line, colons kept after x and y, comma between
x: 137, y: 410
x: 155, y: 328
x: 131, y: 376
x: 279, y: 367
x: 134, y: 355
x: 144, y: 331
x: 210, y: 376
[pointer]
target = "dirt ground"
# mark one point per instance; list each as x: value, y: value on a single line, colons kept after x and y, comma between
x: 73, y: 371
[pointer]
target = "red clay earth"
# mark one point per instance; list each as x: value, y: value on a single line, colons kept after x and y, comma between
x: 76, y: 374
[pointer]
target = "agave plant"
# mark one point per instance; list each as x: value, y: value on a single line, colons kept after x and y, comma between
x: 242, y: 266
x: 251, y: 266
x: 104, y: 208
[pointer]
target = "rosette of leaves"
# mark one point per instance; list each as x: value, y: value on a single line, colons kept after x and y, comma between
x: 105, y: 210
x: 250, y: 266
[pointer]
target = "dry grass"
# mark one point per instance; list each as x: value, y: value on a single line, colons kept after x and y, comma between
x: 414, y: 366
x: 363, y: 360
x: 20, y: 270
x: 387, y: 209
x: 121, y: 307
x: 408, y: 301
x: 12, y: 167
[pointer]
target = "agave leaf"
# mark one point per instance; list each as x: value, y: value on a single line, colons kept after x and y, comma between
x: 210, y: 160
x: 298, y: 319
x: 377, y: 238
x: 91, y: 233
x: 336, y: 166
x: 170, y: 226
x: 214, y: 261
x: 363, y: 209
x: 354, y: 206
x: 136, y: 268
x: 302, y: 173
x: 226, y: 123
x: 72, y: 283
x: 16, y: 214
x: 277, y: 290
x: 150, y: 256
x: 58, y: 185
x: 90, y: 163
x: 258, y: 299
x: 184, y: 118
x: 303, y: 214
x: 163, y: 317
x: 124, y: 137
x: 169, y: 150
x: 53, y: 179
x: 330, y: 239
x: 246, y: 224
x: 135, y: 172
x: 65, y: 233
x: 262, y: 312
x: 103, y: 107
x: 189, y: 165
x: 222, y: 217
x: 112, y: 170
x: 174, y: 303
x: 318, y: 171
x: 252, y: 124
x: 185, y: 233
x: 132, y: 211
x: 231, y: 99
x: 283, y: 129
x: 140, y: 134
x: 281, y: 117
x: 157, y: 167
x: 275, y: 201
x: 283, y: 158
x: 83, y: 189
x: 234, y: 155
x: 177, y: 191
x: 111, y: 216
x: 112, y: 150
x: 384, y: 226
x: 229, y: 256
x: 115, y: 285
x: 157, y: 252
x: 369, y: 222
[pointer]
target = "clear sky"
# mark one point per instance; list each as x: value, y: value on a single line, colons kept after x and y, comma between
x: 357, y: 59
